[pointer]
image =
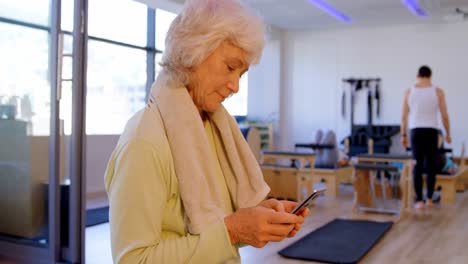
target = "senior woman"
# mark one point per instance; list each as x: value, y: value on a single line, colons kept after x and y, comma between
x: 183, y: 185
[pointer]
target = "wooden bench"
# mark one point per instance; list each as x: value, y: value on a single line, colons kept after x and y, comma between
x: 332, y: 178
x: 461, y: 185
x: 378, y: 195
x: 292, y: 180
x: 406, y: 183
x: 449, y: 183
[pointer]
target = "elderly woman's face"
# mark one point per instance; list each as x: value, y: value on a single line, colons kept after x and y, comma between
x: 217, y: 77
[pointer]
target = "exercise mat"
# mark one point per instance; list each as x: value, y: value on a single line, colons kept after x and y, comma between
x: 339, y: 241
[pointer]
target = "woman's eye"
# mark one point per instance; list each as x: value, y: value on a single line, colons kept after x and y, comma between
x: 231, y: 69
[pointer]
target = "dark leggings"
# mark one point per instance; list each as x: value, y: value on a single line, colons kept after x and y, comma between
x: 424, y: 148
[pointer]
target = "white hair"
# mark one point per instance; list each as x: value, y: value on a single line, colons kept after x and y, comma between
x: 202, y: 26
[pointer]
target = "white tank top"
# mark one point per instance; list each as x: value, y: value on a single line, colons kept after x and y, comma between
x: 423, y: 108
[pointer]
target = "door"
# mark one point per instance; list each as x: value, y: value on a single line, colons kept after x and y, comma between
x: 40, y: 144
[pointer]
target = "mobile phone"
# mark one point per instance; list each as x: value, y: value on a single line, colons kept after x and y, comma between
x: 307, y: 201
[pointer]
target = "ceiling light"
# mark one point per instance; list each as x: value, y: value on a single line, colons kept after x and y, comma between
x: 415, y: 8
x: 331, y: 10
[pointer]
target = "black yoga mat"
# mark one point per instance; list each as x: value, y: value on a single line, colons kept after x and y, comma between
x: 339, y: 241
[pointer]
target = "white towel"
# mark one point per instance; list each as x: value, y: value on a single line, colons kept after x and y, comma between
x: 191, y: 151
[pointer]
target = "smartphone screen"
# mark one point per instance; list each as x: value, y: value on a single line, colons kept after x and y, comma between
x: 308, y: 201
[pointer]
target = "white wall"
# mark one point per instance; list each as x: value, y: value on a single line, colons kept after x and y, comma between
x: 265, y: 82
x: 316, y: 61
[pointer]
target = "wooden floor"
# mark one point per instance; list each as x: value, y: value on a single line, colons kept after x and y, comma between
x: 439, y: 235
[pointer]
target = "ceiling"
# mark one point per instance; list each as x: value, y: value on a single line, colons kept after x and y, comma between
x: 300, y: 14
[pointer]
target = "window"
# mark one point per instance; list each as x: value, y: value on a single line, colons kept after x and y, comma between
x: 30, y: 11
x: 118, y: 20
x: 237, y: 104
x: 116, y: 86
x: 116, y: 66
x: 67, y: 15
x: 163, y: 22
x: 26, y: 85
x: 66, y: 85
x: 25, y: 111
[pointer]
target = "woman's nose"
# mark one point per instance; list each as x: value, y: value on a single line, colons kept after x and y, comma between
x: 233, y: 86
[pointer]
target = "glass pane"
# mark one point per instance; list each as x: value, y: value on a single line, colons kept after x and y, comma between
x: 24, y: 68
x: 119, y: 20
x: 67, y: 44
x: 24, y: 133
x: 32, y: 11
x: 163, y: 22
x: 67, y: 15
x: 116, y: 86
x: 66, y: 100
x: 237, y: 104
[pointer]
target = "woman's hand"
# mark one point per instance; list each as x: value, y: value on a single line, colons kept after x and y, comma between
x: 287, y: 206
x: 274, y: 204
x: 256, y: 226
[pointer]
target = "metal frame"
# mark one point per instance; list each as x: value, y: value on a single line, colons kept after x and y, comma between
x: 78, y: 137
x: 54, y: 143
x: 25, y: 24
x: 109, y: 41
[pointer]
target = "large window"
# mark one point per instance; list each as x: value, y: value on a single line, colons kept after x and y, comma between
x: 24, y: 74
x: 25, y: 110
x: 67, y: 15
x: 163, y: 22
x: 119, y: 20
x: 237, y: 104
x: 116, y: 86
x: 29, y: 11
x: 116, y: 76
x: 116, y: 63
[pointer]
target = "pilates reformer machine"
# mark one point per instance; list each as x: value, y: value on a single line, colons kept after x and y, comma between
x: 288, y: 173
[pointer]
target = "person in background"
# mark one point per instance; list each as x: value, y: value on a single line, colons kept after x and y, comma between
x: 183, y: 185
x: 329, y: 157
x: 421, y: 106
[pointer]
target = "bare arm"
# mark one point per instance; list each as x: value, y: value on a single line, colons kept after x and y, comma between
x: 444, y: 113
x: 404, y: 120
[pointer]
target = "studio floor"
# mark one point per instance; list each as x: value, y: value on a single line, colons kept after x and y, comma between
x: 439, y: 235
